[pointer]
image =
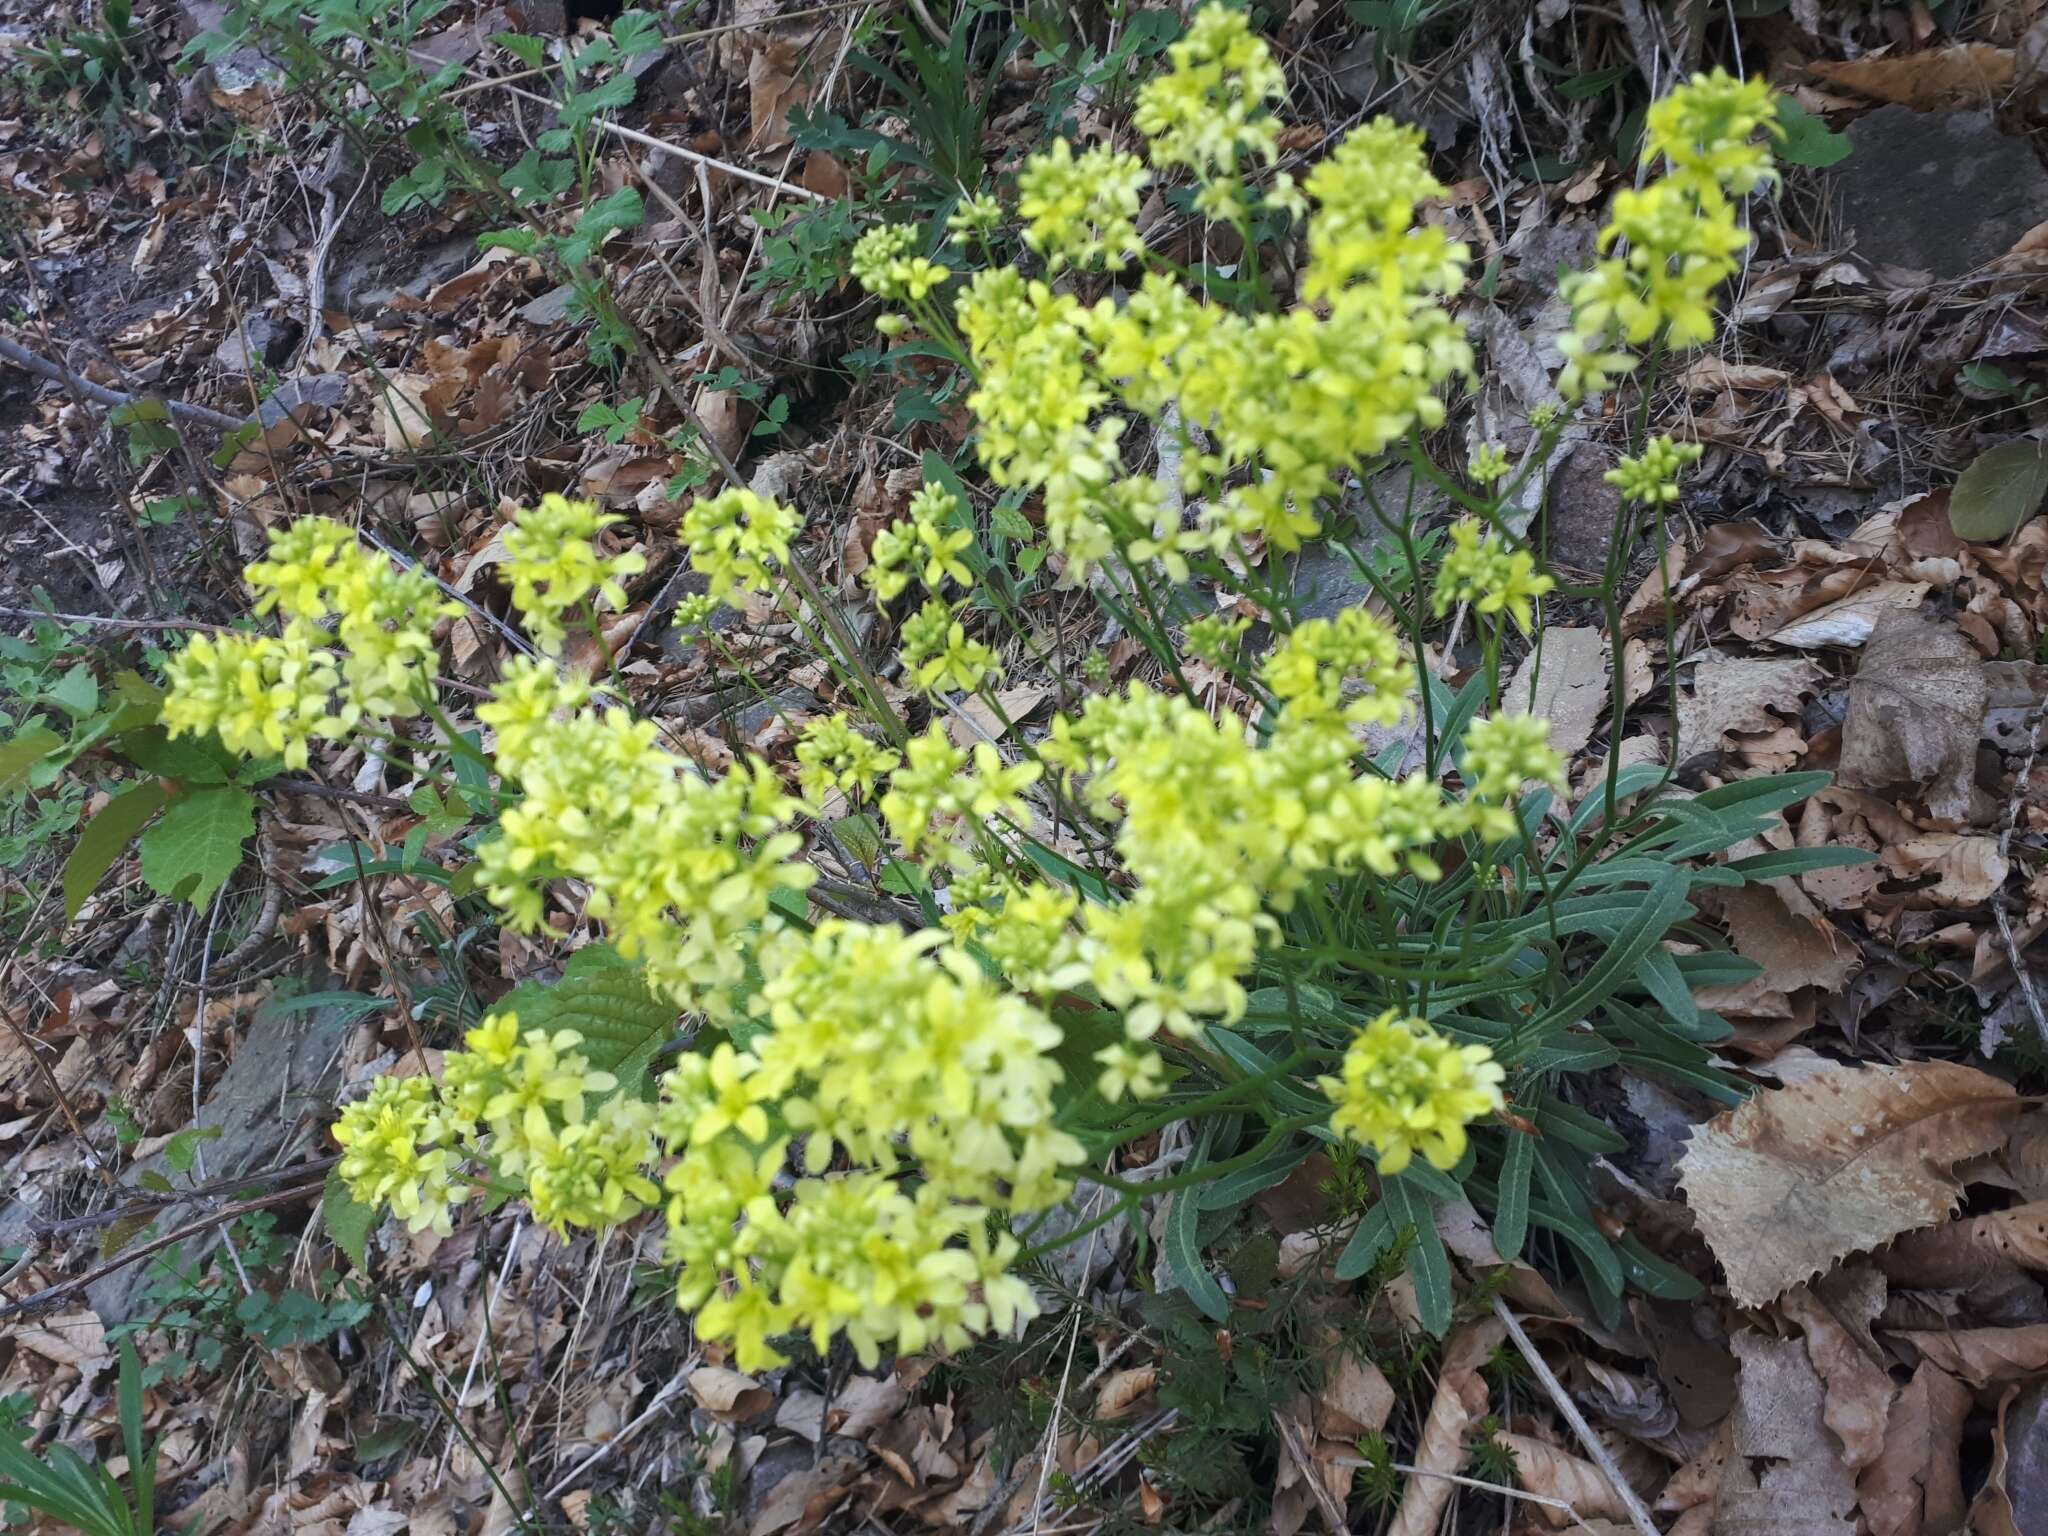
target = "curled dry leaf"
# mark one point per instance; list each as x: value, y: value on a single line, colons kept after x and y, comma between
x: 1460, y: 1399
x: 728, y: 1395
x: 1965, y: 1252
x: 1835, y: 1315
x: 1915, y: 1488
x: 1846, y: 1159
x: 1730, y: 695
x: 1970, y: 74
x: 1984, y: 1357
x: 1849, y: 621
x: 1543, y: 1469
x: 1795, y: 948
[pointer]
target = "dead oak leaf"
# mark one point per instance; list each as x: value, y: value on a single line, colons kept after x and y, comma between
x: 1796, y: 949
x: 1839, y: 1162
x: 1786, y: 1475
x: 1732, y: 694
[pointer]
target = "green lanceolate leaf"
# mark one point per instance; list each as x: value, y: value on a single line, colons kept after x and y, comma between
x: 1182, y: 1246
x: 1511, y: 1209
x: 1413, y: 1209
x: 197, y: 842
x: 103, y: 839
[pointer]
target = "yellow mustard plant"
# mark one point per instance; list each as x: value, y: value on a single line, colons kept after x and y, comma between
x: 1651, y: 477
x: 936, y: 788
x: 1489, y: 464
x: 395, y: 1151
x: 357, y: 645
x: 1406, y: 1089
x: 1678, y: 238
x: 938, y: 655
x: 552, y: 562
x: 1082, y: 210
x: 1208, y: 112
x: 831, y: 755
x: 1481, y: 569
x: 737, y: 539
x: 922, y: 545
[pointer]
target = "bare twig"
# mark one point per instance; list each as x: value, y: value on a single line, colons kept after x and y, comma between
x: 30, y: 362
x: 1591, y: 1443
x: 50, y: 1296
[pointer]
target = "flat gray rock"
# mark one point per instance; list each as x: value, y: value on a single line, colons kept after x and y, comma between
x: 1940, y: 192
x: 282, y: 1079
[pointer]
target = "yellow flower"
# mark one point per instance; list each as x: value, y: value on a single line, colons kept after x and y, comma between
x: 589, y: 1174
x: 1652, y: 478
x: 1489, y: 463
x: 1208, y: 110
x: 1082, y: 210
x: 261, y: 695
x: 552, y: 562
x: 737, y: 538
x: 1480, y: 569
x: 922, y: 544
x: 1406, y: 1089
x: 939, y: 656
x: 394, y: 1152
x: 1504, y: 752
x: 831, y: 754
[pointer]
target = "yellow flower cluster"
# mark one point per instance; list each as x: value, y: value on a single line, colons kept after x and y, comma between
x: 1502, y: 754
x: 552, y: 562
x: 395, y: 1152
x: 1406, y: 1089
x: 1479, y: 568
x: 935, y: 785
x: 885, y: 263
x: 1082, y: 210
x: 1652, y: 476
x: 938, y: 654
x: 1681, y: 232
x: 888, y: 1053
x: 920, y: 545
x: 681, y: 870
x: 1208, y: 111
x: 1289, y: 402
x: 357, y: 644
x: 831, y: 755
x: 736, y: 539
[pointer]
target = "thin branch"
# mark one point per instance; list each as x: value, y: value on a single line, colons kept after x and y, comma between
x: 15, y: 353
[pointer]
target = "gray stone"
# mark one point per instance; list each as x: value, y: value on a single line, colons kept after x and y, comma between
x: 365, y: 282
x: 551, y: 308
x: 280, y: 1083
x: 326, y: 389
x: 2026, y: 1460
x: 260, y: 342
x: 1581, y: 510
x: 1942, y: 192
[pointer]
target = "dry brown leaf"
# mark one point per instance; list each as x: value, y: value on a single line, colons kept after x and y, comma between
x: 728, y: 1395
x: 1123, y: 1390
x: 1984, y: 1357
x: 1966, y: 870
x: 1460, y: 1399
x: 1969, y: 74
x: 775, y: 85
x: 1712, y: 373
x: 1849, y: 622
x: 1916, y: 707
x: 1965, y: 1252
x: 1799, y: 1177
x: 1740, y: 695
x: 1543, y: 1469
x: 1796, y: 949
x: 1693, y: 1484
x: 1785, y: 1476
x: 1993, y: 1512
x: 1835, y: 1315
x: 1356, y: 1398
x: 1914, y: 1488
x: 1565, y: 683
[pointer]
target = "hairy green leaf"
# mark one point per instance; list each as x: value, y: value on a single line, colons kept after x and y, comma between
x: 197, y: 842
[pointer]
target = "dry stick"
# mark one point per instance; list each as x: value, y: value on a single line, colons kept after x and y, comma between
x: 145, y: 1204
x: 661, y: 1400
x: 1406, y: 1470
x: 1601, y: 1457
x: 51, y: 1295
x: 107, y: 621
x: 15, y: 353
x: 1999, y: 910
